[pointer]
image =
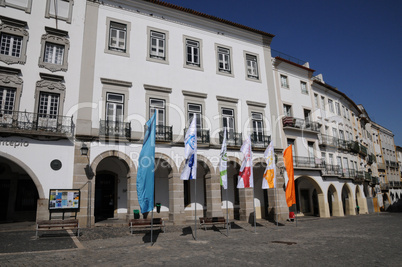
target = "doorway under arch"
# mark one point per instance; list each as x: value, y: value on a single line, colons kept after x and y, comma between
x: 310, y: 197
x: 347, y: 200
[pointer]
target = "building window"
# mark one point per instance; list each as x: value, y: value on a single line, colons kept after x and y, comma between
x: 258, y: 127
x: 316, y: 101
x: 48, y: 105
x: 55, y: 46
x: 307, y: 115
x: 117, y: 36
x: 158, y: 106
x: 341, y: 135
x: 25, y: 5
x: 114, y: 107
x: 287, y: 110
x: 291, y: 142
x: 59, y: 9
x: 192, y: 52
x: 195, y: 109
x: 338, y: 108
x: 252, y: 66
x: 7, y: 100
x: 331, y: 105
x: 284, y: 81
x: 303, y: 87
x: 157, y: 49
x: 13, y: 41
x: 224, y: 60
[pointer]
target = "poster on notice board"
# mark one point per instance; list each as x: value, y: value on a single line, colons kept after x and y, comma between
x: 64, y: 199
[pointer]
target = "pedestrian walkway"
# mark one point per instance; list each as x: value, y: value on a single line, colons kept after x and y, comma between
x: 364, y: 240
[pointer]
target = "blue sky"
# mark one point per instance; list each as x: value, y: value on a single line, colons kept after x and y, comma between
x: 356, y: 45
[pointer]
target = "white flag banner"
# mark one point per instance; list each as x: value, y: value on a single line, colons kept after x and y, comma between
x: 190, y: 152
x: 269, y: 178
x: 223, y: 168
x: 246, y: 170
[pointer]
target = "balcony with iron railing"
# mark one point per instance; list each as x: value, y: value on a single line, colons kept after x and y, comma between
x: 348, y: 173
x: 360, y: 176
x: 354, y: 146
x: 163, y: 133
x: 331, y: 170
x: 362, y: 150
x: 370, y: 159
x: 384, y: 186
x: 343, y: 144
x: 307, y: 162
x: 395, y: 184
x: 232, y: 138
x: 22, y: 122
x: 393, y: 164
x: 367, y: 176
x: 114, y: 128
x: 202, y: 135
x: 374, y: 180
x: 327, y: 141
x: 304, y: 125
x: 259, y: 140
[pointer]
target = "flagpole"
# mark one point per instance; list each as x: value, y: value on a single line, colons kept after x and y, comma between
x: 152, y: 226
x: 255, y: 217
x: 276, y: 206
x: 195, y: 204
x: 227, y: 213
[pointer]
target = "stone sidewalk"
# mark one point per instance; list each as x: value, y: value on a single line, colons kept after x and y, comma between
x: 363, y: 240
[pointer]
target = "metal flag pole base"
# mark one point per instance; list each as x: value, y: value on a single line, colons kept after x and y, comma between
x: 152, y: 226
x: 255, y: 217
x: 227, y: 214
x: 276, y: 206
x: 195, y: 206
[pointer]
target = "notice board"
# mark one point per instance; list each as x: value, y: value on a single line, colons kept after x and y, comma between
x: 64, y: 200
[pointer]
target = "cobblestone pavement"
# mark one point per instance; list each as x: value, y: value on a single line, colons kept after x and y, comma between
x: 363, y: 240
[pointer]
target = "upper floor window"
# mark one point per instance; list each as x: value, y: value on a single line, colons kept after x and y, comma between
x: 195, y: 110
x: 25, y: 5
x: 114, y: 107
x: 13, y: 41
x: 331, y: 105
x: 303, y: 87
x: 59, y: 9
x: 284, y: 81
x: 287, y: 110
x: 316, y: 101
x: 252, y: 66
x: 258, y: 127
x: 228, y: 119
x: 10, y: 92
x: 158, y: 106
x: 224, y: 59
x: 7, y: 100
x: 192, y: 52
x: 55, y: 46
x: 338, y: 108
x: 48, y: 105
x: 117, y: 36
x: 158, y: 41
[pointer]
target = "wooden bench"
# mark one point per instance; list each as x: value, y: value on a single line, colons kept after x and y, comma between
x: 213, y: 221
x: 53, y: 225
x: 146, y: 223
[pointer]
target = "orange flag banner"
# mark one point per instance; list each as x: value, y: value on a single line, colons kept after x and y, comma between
x: 290, y: 188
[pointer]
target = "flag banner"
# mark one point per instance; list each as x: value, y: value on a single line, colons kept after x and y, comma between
x: 246, y: 169
x: 223, y: 168
x: 269, y: 179
x: 146, y: 168
x: 290, y: 188
x: 190, y: 152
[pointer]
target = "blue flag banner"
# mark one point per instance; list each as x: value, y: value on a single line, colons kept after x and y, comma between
x: 190, y: 152
x: 146, y: 168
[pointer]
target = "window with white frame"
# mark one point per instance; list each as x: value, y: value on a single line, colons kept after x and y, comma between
x: 323, y: 158
x: 228, y: 121
x: 347, y: 114
x: 338, y: 108
x: 114, y: 107
x: 335, y: 132
x: 224, y: 64
x: 192, y: 52
x: 339, y: 161
x: 157, y: 45
x: 331, y: 105
x: 291, y: 142
x: 54, y: 53
x: 284, y: 81
x: 287, y: 110
x: 303, y: 86
x: 252, y: 66
x: 316, y: 101
x: 55, y: 47
x: 195, y: 110
x: 7, y: 100
x: 117, y: 36
x: 331, y: 158
x: 341, y: 135
x: 59, y: 9
x: 13, y: 41
x: 158, y: 106
x: 25, y: 5
x: 48, y: 105
x: 258, y: 126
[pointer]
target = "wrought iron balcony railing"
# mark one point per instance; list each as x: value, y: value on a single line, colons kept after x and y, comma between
x: 393, y: 164
x: 164, y: 133
x: 260, y: 140
x: 370, y: 159
x: 384, y: 186
x: 115, y: 128
x: 343, y: 144
x: 301, y: 124
x: 202, y: 135
x: 326, y: 140
x: 331, y: 170
x: 28, y: 121
x: 354, y: 146
x: 362, y: 150
x: 232, y: 138
x: 374, y: 180
x: 348, y: 173
x: 368, y: 176
x: 360, y: 176
x: 307, y: 162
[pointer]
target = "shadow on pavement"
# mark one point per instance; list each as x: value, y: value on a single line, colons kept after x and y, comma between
x: 147, y: 237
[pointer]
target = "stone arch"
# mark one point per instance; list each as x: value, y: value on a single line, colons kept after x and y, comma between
x: 131, y: 168
x: 334, y: 205
x: 260, y: 195
x: 28, y: 170
x: 168, y: 160
x: 201, y: 159
x: 347, y: 200
x: 361, y: 201
x: 310, y: 197
x: 232, y: 193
